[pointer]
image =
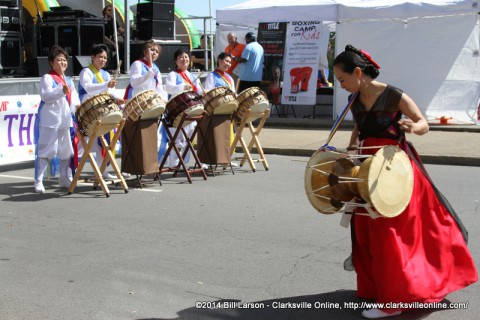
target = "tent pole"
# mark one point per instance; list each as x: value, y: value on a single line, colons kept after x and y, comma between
x: 126, y: 40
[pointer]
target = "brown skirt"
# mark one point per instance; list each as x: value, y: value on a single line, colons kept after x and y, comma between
x: 213, y: 139
x: 139, y: 147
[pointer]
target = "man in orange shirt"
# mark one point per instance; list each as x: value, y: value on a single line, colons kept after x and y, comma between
x: 235, y: 49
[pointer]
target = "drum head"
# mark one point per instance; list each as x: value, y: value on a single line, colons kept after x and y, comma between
x: 226, y: 108
x: 390, y: 181
x: 111, y: 118
x: 192, y: 112
x: 315, y: 178
x: 257, y: 109
x: 153, y: 113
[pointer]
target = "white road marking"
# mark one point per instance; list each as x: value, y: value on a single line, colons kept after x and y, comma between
x: 78, y: 183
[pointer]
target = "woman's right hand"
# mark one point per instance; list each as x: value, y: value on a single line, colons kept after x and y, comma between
x: 112, y: 83
x: 66, y: 89
x: 187, y: 87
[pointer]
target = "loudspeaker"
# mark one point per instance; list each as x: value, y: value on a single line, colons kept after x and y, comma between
x: 156, y: 20
x: 8, y: 3
x: 155, y: 29
x: 156, y: 11
x: 76, y: 36
x: 44, y: 66
x: 80, y: 62
x: 165, y: 62
x: 11, y: 54
x: 10, y: 19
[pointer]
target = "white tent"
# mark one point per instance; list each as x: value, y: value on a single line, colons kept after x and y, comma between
x: 430, y: 49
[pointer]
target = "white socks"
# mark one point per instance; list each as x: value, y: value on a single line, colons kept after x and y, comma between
x: 65, y: 178
x: 42, y: 165
x: 375, y: 313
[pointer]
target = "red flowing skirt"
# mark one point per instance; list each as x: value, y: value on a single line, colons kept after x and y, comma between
x: 418, y: 256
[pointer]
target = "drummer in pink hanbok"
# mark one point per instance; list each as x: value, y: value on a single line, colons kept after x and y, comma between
x: 54, y: 120
x: 177, y: 82
x: 94, y: 80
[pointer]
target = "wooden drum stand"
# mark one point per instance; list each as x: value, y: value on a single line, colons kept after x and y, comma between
x: 98, y: 130
x: 181, y: 157
x: 255, y: 132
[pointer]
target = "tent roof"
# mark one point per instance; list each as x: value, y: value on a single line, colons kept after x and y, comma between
x: 254, y: 11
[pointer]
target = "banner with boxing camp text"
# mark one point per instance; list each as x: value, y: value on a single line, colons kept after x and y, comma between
x: 302, y: 54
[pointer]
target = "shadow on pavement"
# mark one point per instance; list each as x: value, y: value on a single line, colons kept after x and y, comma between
x: 331, y: 305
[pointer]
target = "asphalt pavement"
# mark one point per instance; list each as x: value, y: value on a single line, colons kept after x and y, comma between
x: 242, y: 246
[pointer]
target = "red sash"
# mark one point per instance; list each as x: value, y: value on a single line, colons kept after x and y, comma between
x: 129, y: 86
x: 61, y: 80
x: 225, y: 78
x: 187, y: 80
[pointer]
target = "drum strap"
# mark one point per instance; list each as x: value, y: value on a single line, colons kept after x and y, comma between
x: 339, y: 121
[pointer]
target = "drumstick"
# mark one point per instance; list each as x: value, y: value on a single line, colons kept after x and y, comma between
x: 149, y: 58
x: 118, y: 70
x: 200, y: 82
x: 361, y: 148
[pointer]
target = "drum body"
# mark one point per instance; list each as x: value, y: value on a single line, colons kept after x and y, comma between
x: 253, y: 100
x: 147, y: 104
x: 220, y: 100
x: 384, y: 180
x: 101, y: 107
x: 188, y: 102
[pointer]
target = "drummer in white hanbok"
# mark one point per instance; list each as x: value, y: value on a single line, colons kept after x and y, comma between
x: 54, y: 120
x: 177, y: 82
x: 94, y: 80
x: 145, y: 75
x: 220, y: 78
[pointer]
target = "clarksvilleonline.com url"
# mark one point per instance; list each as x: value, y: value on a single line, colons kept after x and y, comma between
x: 406, y: 305
x: 328, y: 305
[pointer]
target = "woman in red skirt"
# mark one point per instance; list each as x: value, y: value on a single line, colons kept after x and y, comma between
x: 420, y: 255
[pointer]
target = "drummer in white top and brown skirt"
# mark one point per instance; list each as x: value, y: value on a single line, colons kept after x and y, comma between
x: 178, y: 82
x: 220, y: 102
